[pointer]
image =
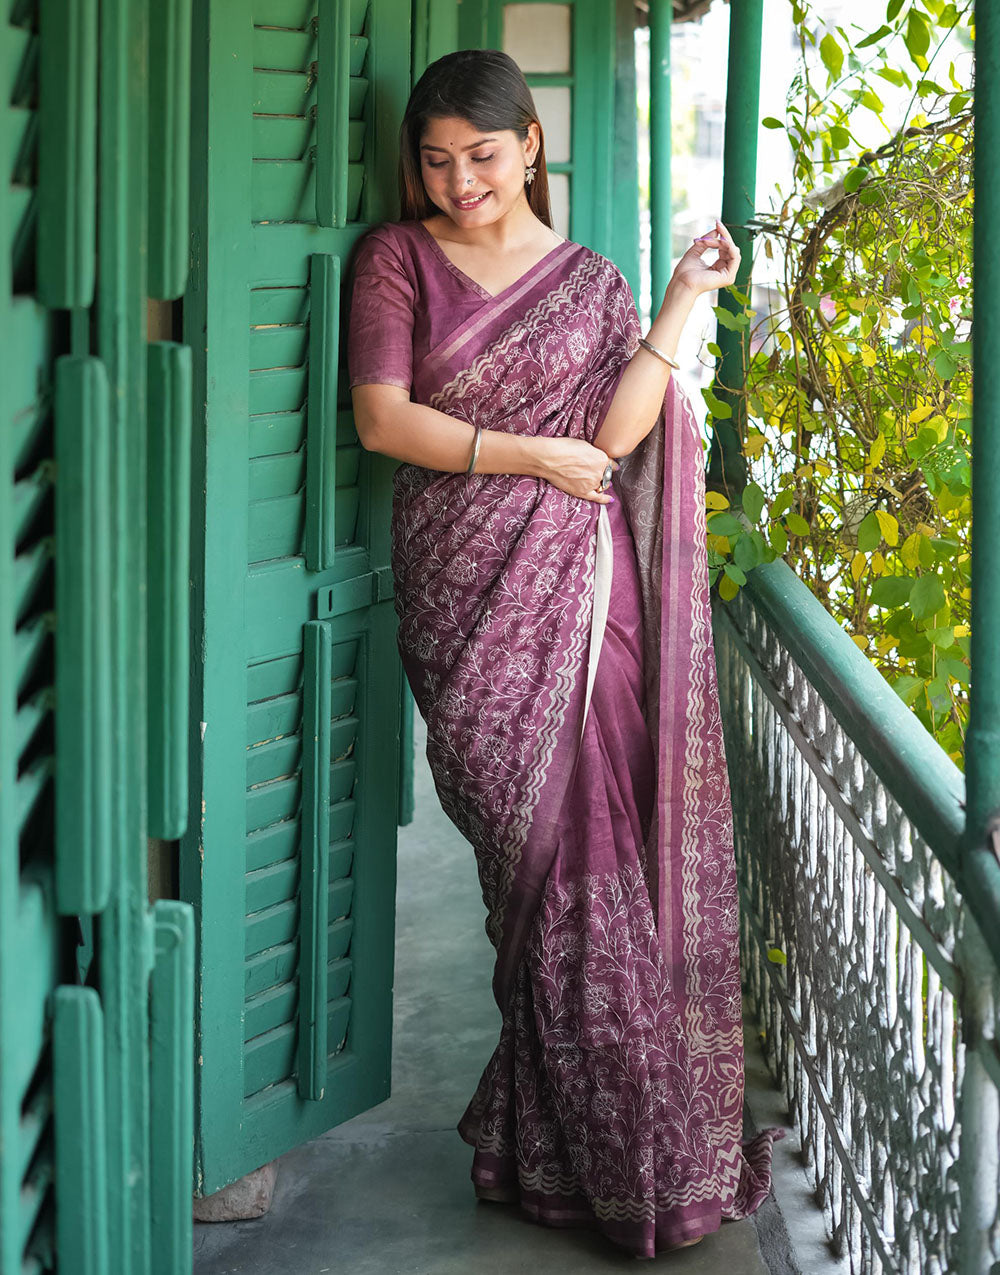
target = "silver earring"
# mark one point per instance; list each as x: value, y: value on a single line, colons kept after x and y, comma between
x: 529, y: 174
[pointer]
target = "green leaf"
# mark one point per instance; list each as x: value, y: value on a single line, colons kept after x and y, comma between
x: 724, y: 524
x: 832, y: 55
x: 779, y: 538
x: 753, y: 501
x: 840, y: 137
x: 891, y: 591
x: 939, y: 694
x: 908, y: 687
x: 942, y: 638
x: 872, y: 100
x: 745, y: 553
x: 770, y: 122
x: 720, y: 410
x: 854, y: 179
x: 734, y: 322
x: 945, y: 366
x: 892, y: 9
x: 927, y: 597
x: 735, y: 573
x: 918, y: 37
x: 869, y: 533
x: 776, y: 956
x: 958, y: 669
x: 898, y: 78
x: 914, y: 647
x: 714, y: 348
x: 874, y: 37
x: 810, y: 299
x: 797, y: 525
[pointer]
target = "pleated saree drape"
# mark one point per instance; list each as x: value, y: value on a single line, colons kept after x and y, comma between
x: 561, y: 654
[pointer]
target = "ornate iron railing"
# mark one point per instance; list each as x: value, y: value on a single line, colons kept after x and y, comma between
x: 875, y: 992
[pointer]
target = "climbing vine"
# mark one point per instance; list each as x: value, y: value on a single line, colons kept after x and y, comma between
x: 858, y: 388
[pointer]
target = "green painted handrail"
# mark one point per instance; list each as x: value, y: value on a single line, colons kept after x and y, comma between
x: 314, y: 879
x: 84, y: 609
x: 881, y: 727
x: 321, y: 423
x: 333, y: 88
x: 169, y: 146
x: 926, y: 783
x: 67, y: 153
x: 168, y: 566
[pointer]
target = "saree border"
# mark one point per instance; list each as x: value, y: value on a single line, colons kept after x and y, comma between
x: 495, y: 306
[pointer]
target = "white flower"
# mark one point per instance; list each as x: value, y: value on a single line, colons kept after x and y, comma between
x: 451, y: 703
x: 597, y: 998
x: 425, y: 644
x: 577, y: 345
x: 462, y: 569
x: 604, y: 1103
x: 492, y: 746
x: 545, y: 581
x: 517, y: 668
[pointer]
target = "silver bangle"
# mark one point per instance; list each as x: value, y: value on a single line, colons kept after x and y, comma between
x: 475, y: 449
x: 659, y: 353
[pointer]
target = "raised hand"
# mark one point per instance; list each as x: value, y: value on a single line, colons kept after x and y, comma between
x: 692, y: 273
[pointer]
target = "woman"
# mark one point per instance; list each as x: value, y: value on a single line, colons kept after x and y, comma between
x: 554, y: 627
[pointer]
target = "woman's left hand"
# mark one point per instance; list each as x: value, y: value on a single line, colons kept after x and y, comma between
x: 692, y: 273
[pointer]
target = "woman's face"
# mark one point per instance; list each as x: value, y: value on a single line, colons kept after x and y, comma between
x: 474, y: 177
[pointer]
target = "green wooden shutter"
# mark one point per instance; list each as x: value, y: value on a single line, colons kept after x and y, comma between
x: 297, y: 684
x: 83, y: 1028
x: 589, y: 46
x: 52, y: 411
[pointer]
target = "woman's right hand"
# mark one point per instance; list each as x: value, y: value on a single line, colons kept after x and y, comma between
x: 575, y: 467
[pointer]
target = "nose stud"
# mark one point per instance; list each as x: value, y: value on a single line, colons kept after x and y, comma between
x: 468, y: 181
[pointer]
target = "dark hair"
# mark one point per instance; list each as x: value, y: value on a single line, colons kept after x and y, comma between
x: 485, y: 87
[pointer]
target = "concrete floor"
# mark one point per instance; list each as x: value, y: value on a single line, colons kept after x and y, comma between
x: 389, y: 1191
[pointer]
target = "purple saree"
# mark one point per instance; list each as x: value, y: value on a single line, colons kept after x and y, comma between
x: 560, y: 652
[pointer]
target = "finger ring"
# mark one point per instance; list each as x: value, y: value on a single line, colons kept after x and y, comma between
x: 609, y: 469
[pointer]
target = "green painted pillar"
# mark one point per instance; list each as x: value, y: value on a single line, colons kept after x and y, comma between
x: 982, y: 747
x: 978, y: 1177
x: 727, y: 467
x: 660, y: 22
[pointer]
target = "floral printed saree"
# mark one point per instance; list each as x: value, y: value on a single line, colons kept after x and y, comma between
x: 561, y: 654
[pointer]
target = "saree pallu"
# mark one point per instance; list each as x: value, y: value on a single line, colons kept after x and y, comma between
x: 561, y: 654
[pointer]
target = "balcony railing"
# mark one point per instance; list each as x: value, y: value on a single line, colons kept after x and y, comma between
x: 875, y: 991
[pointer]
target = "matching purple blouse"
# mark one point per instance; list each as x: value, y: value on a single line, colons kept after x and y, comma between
x: 407, y: 297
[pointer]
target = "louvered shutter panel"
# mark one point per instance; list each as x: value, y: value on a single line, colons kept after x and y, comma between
x: 292, y: 867
x: 47, y: 256
x: 84, y: 1027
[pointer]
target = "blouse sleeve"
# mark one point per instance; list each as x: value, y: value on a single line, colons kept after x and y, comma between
x: 380, y: 340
